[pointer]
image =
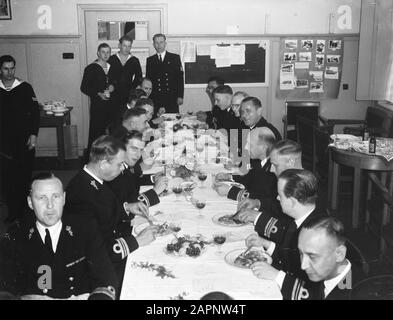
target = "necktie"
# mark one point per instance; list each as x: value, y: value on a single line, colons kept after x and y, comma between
x: 48, y: 241
x: 160, y: 58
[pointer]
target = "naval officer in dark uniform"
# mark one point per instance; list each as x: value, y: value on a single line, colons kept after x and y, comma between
x: 54, y: 256
x: 164, y: 69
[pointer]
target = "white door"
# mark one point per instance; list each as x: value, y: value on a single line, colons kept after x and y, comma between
x: 108, y: 26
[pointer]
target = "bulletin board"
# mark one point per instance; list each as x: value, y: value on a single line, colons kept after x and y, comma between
x: 248, y: 68
x: 310, y: 67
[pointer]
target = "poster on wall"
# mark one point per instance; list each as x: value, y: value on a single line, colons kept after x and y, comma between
x: 310, y: 67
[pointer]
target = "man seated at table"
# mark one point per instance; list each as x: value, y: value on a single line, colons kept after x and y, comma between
x: 225, y: 117
x: 297, y: 191
x: 259, y: 182
x: 285, y: 154
x: 209, y: 116
x: 133, y: 119
x: 89, y: 195
x: 126, y: 186
x: 148, y: 105
x: 57, y: 256
x: 146, y: 85
x: 322, y: 249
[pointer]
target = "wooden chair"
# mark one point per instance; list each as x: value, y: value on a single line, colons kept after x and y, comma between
x: 379, y: 121
x: 321, y: 141
x: 381, y: 225
x: 360, y: 266
x: 306, y: 109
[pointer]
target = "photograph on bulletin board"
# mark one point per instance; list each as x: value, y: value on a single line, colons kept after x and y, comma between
x: 310, y: 67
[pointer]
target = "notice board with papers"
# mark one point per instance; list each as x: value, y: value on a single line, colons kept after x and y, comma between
x: 240, y: 63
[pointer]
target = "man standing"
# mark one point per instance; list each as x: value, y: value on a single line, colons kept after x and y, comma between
x: 97, y: 83
x: 166, y: 72
x: 19, y: 124
x: 57, y: 256
x: 127, y: 73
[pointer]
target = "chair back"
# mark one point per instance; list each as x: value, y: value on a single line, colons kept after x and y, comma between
x: 321, y: 141
x: 360, y: 267
x: 306, y: 109
x: 304, y: 136
x: 380, y: 121
x: 374, y: 288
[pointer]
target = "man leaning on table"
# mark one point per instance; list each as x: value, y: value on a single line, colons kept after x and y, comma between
x: 56, y: 256
x: 89, y: 195
x: 297, y: 191
x: 322, y: 251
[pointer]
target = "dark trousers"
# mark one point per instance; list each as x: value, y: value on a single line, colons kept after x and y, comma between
x: 100, y: 118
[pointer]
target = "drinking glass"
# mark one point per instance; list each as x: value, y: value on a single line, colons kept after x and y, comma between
x: 202, y: 177
x: 200, y: 204
x: 177, y: 190
x: 219, y: 239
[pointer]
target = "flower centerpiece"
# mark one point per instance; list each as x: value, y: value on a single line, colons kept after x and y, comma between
x: 184, y: 165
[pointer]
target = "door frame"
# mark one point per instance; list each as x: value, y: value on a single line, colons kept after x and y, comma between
x: 81, y: 10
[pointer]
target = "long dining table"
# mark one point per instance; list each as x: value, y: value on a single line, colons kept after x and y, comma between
x: 153, y: 274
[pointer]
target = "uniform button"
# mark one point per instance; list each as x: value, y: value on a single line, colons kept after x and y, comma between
x: 45, y: 291
x: 166, y: 74
x: 71, y: 278
x: 71, y: 288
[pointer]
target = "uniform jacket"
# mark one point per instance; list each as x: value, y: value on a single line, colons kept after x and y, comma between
x: 126, y: 187
x: 264, y: 123
x: 284, y: 233
x: 79, y: 265
x: 167, y: 78
x: 19, y: 118
x: 87, y: 197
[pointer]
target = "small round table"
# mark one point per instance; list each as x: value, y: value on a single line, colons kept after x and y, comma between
x: 358, y: 161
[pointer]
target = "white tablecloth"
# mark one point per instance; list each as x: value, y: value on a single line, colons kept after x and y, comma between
x: 194, y: 277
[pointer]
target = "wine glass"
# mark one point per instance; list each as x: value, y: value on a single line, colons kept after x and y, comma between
x: 178, y: 116
x: 189, y: 112
x: 200, y: 204
x: 219, y: 239
x: 177, y: 190
x: 202, y: 177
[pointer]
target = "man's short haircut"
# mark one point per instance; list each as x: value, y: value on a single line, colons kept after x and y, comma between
x: 333, y: 227
x: 6, y: 58
x: 133, y: 113
x: 133, y: 134
x: 254, y: 101
x: 159, y: 35
x: 265, y: 136
x: 105, y: 148
x: 103, y: 45
x: 287, y: 147
x: 225, y: 89
x: 300, y: 184
x: 241, y: 94
x: 45, y: 175
x: 145, y: 79
x: 220, y: 81
x: 144, y: 101
x: 135, y: 94
x: 125, y: 38
x: 216, y: 295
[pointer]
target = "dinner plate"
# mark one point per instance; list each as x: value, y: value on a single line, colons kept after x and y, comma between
x: 231, y: 256
x: 345, y: 137
x: 216, y: 220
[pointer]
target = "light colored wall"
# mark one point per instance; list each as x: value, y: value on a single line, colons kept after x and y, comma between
x: 202, y: 17
x: 196, y: 16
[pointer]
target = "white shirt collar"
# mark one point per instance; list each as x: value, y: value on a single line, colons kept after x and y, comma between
x: 93, y: 175
x: 54, y: 232
x: 129, y: 56
x: 14, y: 85
x: 108, y: 66
x: 263, y: 162
x: 162, y: 55
x: 332, y: 283
x: 304, y: 217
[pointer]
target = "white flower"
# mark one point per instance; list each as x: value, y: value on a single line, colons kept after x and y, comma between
x: 31, y: 231
x: 69, y: 230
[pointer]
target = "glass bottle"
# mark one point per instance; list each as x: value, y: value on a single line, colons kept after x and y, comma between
x: 372, y: 146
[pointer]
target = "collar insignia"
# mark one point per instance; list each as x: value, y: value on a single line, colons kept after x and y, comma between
x: 93, y: 183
